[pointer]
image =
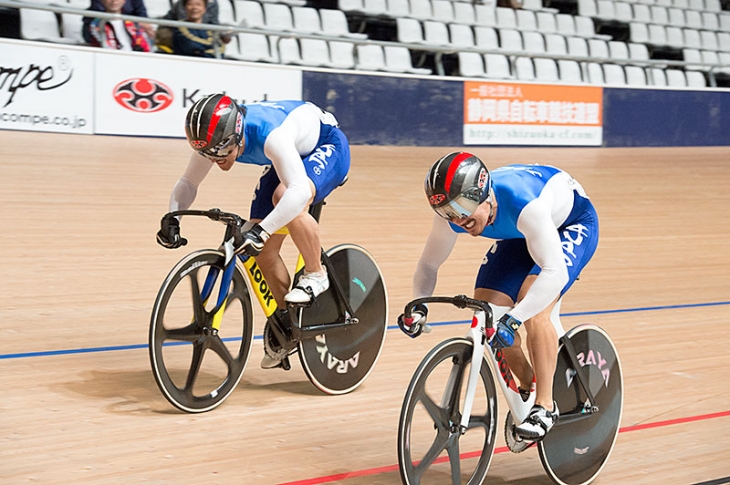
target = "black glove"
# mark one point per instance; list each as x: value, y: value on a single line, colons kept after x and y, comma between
x: 169, y: 234
x: 252, y: 240
x: 416, y: 323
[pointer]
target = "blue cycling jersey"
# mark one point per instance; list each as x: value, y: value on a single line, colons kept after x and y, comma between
x: 514, y: 187
x: 261, y: 119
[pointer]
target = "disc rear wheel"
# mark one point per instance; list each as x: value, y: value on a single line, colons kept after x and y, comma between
x: 577, y: 448
x: 338, y: 361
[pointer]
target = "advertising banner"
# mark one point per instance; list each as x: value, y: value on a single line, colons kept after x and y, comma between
x: 46, y: 88
x: 149, y: 95
x: 532, y: 114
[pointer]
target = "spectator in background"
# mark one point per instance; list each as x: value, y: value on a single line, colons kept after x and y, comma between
x: 129, y: 7
x: 118, y: 34
x: 177, y: 12
x: 196, y: 42
x: 516, y: 4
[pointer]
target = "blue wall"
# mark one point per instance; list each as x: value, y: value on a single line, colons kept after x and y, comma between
x: 383, y: 110
x: 641, y: 117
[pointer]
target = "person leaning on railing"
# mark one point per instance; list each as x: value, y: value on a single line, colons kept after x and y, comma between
x: 192, y: 41
x: 177, y: 12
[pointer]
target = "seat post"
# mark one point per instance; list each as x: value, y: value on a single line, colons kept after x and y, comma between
x: 315, y: 210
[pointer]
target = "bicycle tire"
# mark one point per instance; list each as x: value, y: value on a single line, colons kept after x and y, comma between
x: 182, y: 348
x: 574, y: 452
x: 430, y: 385
x: 340, y: 361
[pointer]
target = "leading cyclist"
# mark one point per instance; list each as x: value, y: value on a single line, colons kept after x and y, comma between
x: 546, y: 230
x: 310, y: 157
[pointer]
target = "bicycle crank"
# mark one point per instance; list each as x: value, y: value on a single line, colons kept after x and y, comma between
x: 514, y: 442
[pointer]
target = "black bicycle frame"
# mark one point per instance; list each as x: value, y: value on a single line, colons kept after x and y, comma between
x: 584, y: 412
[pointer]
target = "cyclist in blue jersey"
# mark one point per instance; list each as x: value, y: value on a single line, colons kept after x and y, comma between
x: 305, y: 157
x: 546, y: 231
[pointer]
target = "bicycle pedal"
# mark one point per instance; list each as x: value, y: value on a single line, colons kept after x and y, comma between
x: 285, y: 364
x: 296, y: 306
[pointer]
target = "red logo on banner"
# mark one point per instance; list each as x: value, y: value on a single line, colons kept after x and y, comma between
x: 143, y: 95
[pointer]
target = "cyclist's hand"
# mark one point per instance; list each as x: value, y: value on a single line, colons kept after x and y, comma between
x: 169, y: 234
x: 504, y: 332
x: 416, y: 323
x: 252, y: 240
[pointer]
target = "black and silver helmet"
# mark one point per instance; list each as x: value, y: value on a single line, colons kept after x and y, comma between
x: 214, y: 126
x: 456, y: 184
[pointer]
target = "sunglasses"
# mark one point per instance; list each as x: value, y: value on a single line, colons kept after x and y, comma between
x: 458, y: 208
x: 220, y: 151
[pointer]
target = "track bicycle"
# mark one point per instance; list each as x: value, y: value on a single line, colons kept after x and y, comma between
x: 201, y: 329
x: 451, y: 406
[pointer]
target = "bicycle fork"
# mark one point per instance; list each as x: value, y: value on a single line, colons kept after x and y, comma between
x: 210, y: 279
x: 477, y: 336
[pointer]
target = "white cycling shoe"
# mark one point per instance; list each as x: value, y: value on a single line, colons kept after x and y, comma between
x: 309, y: 286
x: 538, y: 423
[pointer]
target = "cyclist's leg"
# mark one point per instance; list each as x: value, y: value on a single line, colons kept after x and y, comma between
x: 326, y: 168
x: 303, y: 228
x: 304, y: 232
x: 270, y: 262
x: 518, y: 363
x: 274, y: 269
x: 542, y: 344
x: 579, y: 239
x: 503, y: 271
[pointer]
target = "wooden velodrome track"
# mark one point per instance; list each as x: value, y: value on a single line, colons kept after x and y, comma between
x: 80, y: 271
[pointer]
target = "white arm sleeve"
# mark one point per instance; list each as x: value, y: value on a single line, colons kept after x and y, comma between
x: 543, y: 244
x: 282, y: 148
x: 186, y: 188
x: 438, y: 247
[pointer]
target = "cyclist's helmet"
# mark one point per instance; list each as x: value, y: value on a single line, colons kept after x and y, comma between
x: 456, y: 184
x: 214, y: 126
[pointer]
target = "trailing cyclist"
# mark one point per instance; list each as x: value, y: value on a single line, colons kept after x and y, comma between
x: 546, y: 231
x: 305, y: 157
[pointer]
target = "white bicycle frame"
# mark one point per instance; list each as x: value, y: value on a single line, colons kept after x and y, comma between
x: 501, y: 371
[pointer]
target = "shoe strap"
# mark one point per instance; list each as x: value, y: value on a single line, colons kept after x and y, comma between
x: 538, y: 415
x: 305, y: 289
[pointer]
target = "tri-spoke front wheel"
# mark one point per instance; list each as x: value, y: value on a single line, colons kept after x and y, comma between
x: 199, y: 345
x: 431, y: 448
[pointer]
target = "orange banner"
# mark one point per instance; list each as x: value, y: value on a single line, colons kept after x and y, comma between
x: 492, y: 103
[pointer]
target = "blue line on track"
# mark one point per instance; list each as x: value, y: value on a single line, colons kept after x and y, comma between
x: 392, y: 327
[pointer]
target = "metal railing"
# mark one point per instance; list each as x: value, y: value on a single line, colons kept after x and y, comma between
x: 437, y: 50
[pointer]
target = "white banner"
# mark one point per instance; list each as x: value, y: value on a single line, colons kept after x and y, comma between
x: 149, y: 95
x: 46, y: 88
